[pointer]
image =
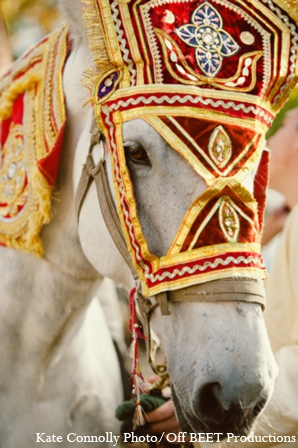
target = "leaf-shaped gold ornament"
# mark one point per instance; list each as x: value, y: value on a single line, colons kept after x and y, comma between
x: 229, y: 220
x: 220, y: 147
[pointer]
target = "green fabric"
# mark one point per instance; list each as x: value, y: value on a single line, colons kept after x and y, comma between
x: 278, y: 121
x: 125, y: 411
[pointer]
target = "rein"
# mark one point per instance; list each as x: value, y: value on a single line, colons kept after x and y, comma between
x: 225, y: 290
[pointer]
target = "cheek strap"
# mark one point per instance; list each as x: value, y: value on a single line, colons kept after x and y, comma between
x: 98, y: 173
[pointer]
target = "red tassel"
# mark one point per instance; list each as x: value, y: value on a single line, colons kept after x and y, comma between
x: 138, y: 382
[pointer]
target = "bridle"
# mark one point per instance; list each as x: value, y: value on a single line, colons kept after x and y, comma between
x: 225, y: 290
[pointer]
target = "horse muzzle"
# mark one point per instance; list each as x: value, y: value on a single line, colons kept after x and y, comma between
x: 223, y: 381
x: 212, y: 416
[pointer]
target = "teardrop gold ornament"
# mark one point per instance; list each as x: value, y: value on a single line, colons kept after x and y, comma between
x: 229, y: 220
x: 220, y: 147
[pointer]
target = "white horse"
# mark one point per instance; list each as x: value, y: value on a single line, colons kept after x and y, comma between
x: 59, y: 373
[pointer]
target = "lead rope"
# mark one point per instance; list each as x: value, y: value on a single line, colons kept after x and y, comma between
x: 138, y: 382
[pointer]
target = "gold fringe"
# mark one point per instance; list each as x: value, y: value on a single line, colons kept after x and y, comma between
x: 37, y: 220
x: 95, y: 33
x: 29, y: 240
x: 19, y: 86
x: 89, y: 78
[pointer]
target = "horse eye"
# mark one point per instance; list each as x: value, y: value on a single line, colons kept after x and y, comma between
x: 136, y: 153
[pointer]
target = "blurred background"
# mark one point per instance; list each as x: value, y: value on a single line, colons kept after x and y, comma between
x: 23, y: 23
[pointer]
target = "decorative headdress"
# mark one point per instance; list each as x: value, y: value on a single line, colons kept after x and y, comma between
x: 209, y: 76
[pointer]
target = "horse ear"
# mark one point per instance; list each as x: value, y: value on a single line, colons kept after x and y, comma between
x: 72, y: 13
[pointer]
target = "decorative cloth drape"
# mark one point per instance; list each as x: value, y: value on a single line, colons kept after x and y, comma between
x: 32, y: 121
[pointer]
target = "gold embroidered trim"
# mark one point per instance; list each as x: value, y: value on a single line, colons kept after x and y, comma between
x: 137, y: 77
x: 202, y: 277
x: 22, y: 232
x: 157, y: 66
x: 121, y: 42
x: 15, y: 88
x: 183, y: 149
x: 196, y: 95
x: 44, y: 115
x: 202, y: 267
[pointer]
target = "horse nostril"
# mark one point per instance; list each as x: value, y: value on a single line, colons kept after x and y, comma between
x: 259, y: 406
x: 209, y: 403
x: 217, y: 413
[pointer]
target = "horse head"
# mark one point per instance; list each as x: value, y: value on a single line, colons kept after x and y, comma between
x: 179, y: 101
x: 219, y: 359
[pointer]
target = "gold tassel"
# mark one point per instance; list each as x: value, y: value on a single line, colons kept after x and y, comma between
x: 138, y: 417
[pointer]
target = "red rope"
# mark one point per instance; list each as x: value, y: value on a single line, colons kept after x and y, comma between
x: 138, y: 383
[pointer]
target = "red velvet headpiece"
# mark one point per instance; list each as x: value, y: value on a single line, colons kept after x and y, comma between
x: 209, y: 76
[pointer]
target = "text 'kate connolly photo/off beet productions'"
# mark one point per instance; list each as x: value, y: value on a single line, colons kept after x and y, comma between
x: 148, y: 223
x: 180, y: 437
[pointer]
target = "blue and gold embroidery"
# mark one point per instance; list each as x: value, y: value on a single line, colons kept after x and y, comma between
x: 207, y: 36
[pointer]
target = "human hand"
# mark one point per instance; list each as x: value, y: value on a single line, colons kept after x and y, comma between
x: 163, y: 419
